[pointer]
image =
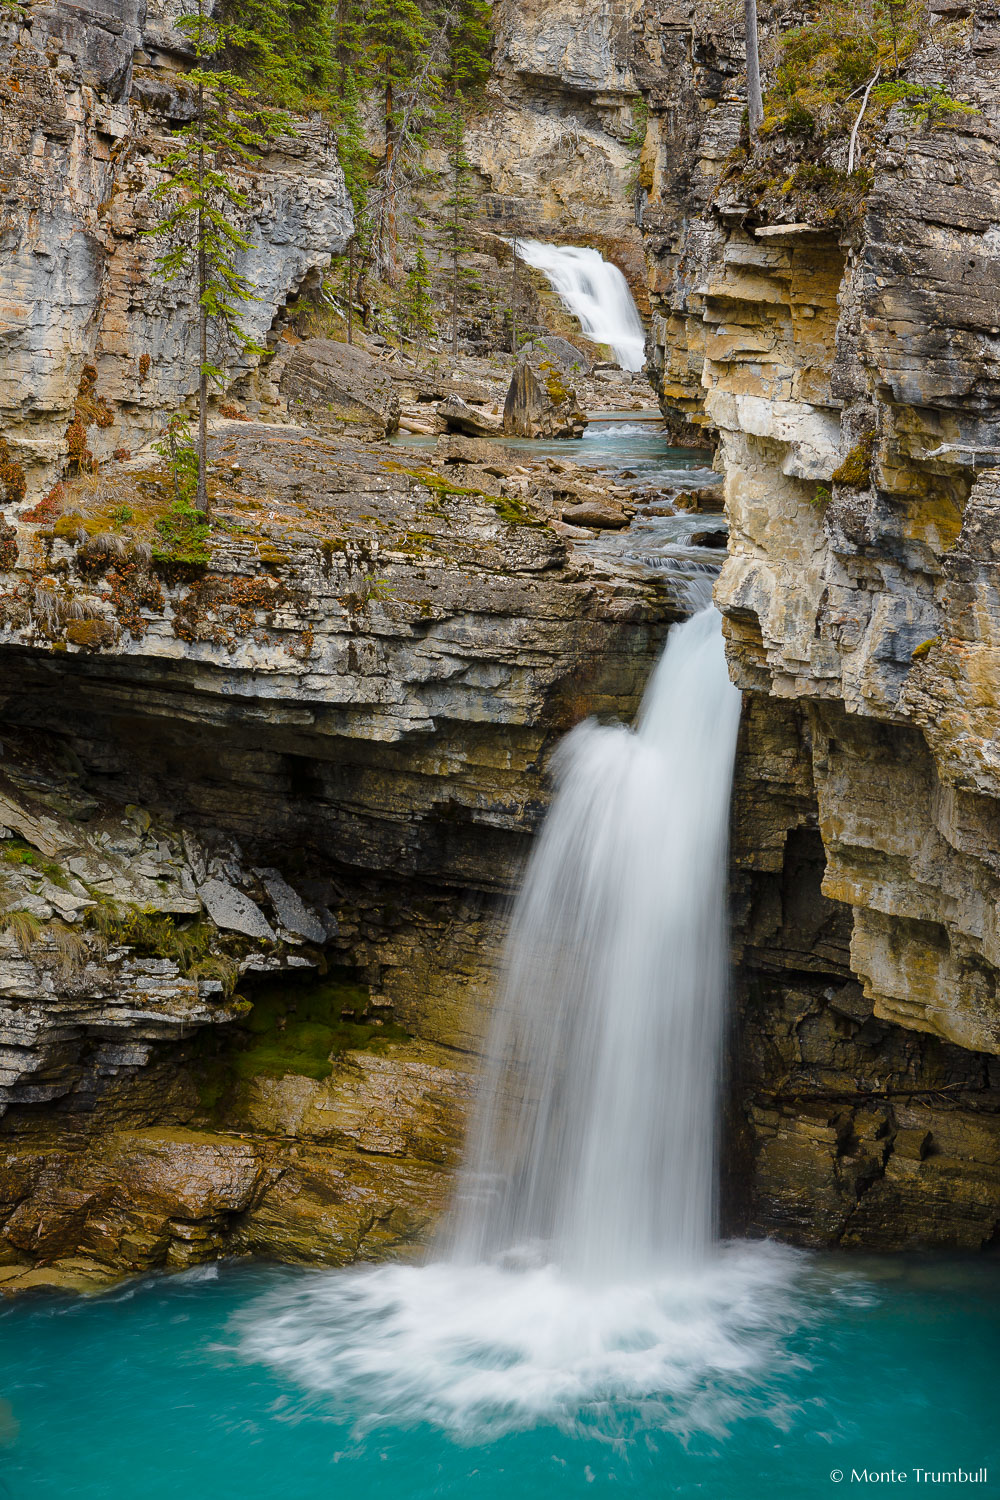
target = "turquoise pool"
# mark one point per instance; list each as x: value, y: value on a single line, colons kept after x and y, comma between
x: 757, y: 1380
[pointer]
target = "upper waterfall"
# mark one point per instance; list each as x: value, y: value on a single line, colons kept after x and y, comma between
x: 595, y: 292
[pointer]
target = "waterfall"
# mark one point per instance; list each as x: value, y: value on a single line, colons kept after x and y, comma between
x: 594, y: 1142
x: 595, y: 292
x: 580, y: 1285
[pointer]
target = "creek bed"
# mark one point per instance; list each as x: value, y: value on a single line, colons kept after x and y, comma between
x: 633, y: 450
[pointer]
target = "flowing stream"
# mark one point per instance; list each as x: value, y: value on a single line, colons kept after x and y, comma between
x: 595, y: 292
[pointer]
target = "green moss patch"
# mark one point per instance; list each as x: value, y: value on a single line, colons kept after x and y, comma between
x: 16, y: 852
x: 300, y: 1027
x: 856, y: 470
x: 514, y: 511
x: 192, y: 944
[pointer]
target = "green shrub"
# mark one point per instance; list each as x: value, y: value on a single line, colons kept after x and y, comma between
x: 928, y: 102
x: 183, y: 534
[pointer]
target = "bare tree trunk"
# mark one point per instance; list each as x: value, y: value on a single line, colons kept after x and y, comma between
x: 201, y: 498
x: 390, y: 186
x: 513, y: 295
x: 456, y: 186
x: 755, y: 104
x: 857, y: 123
x: 350, y: 292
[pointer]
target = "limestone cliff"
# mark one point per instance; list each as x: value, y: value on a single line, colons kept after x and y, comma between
x: 88, y: 95
x: 258, y: 818
x: 841, y: 349
x: 556, y: 149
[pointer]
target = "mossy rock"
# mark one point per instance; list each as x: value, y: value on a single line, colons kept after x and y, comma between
x: 90, y: 635
x: 856, y: 470
x: 299, y: 1026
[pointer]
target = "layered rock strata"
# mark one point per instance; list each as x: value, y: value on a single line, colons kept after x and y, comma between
x: 556, y: 151
x: 89, y: 95
x: 847, y: 373
x: 260, y: 818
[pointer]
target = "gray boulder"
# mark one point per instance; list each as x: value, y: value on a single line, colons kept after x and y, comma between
x: 337, y: 388
x: 233, y: 911
x: 566, y: 355
x: 457, y: 449
x: 602, y: 515
x: 290, y: 909
x: 541, y: 401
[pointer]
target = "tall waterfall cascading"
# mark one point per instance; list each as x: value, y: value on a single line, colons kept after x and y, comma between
x: 595, y: 292
x: 580, y: 1283
x: 595, y: 1136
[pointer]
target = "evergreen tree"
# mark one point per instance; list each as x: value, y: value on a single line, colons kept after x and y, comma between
x: 355, y: 162
x: 417, y: 303
x: 285, y: 47
x: 470, y: 43
x: 229, y: 130
x: 460, y: 206
x: 349, y: 46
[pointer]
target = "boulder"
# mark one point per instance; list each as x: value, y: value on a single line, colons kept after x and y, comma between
x: 601, y: 515
x: 233, y: 911
x: 573, y: 533
x: 461, y: 417
x: 291, y: 911
x: 541, y: 401
x: 456, y: 449
x: 711, y: 498
x: 566, y: 355
x: 337, y: 387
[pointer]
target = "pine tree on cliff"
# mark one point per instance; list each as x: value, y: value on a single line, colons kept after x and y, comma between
x: 469, y: 32
x: 417, y: 302
x: 349, y: 46
x: 204, y: 200
x: 397, y: 44
x: 460, y: 206
x: 286, y: 47
x: 470, y: 45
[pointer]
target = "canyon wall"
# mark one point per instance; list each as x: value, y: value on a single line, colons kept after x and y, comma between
x: 88, y: 96
x: 843, y: 353
x: 259, y: 819
x: 556, y: 149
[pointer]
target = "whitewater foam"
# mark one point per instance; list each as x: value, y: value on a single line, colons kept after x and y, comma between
x: 481, y: 1350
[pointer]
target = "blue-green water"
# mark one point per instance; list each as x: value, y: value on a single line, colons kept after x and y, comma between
x: 658, y: 539
x: 611, y: 446
x: 755, y: 1380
